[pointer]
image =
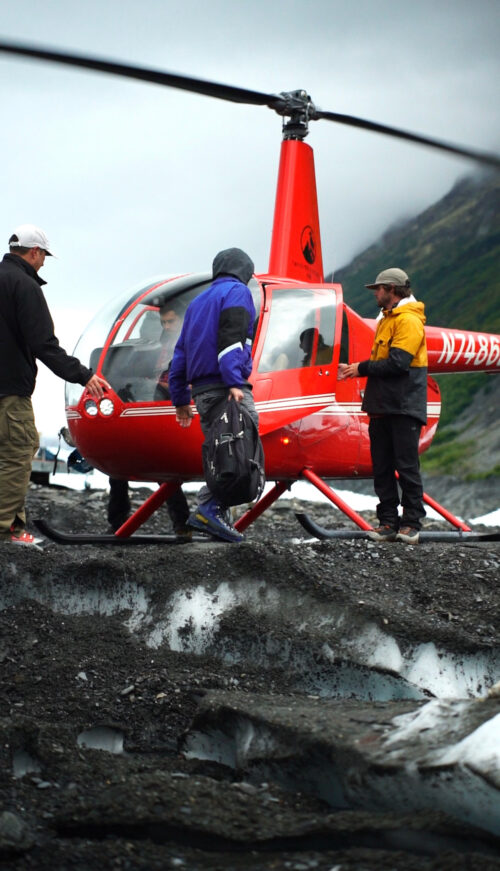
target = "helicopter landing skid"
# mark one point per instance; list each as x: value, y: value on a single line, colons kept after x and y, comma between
x: 88, y: 538
x: 427, y: 535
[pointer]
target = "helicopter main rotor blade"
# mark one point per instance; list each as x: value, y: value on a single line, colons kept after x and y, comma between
x: 144, y: 74
x: 278, y: 102
x: 352, y: 121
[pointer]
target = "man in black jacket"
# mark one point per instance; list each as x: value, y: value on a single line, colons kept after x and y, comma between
x: 26, y: 334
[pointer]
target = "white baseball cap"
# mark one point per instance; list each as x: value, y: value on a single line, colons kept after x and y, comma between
x: 29, y: 236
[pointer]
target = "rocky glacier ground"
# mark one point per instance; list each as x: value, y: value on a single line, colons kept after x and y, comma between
x: 286, y: 703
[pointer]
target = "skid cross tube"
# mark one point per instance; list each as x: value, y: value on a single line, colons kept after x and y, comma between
x: 246, y: 519
x: 333, y: 497
x: 147, y: 508
x: 440, y: 509
x: 463, y: 532
x: 446, y: 514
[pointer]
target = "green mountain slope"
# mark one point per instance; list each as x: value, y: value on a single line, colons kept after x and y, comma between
x: 452, y: 254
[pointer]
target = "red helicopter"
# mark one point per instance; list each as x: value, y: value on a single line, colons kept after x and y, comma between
x: 311, y: 424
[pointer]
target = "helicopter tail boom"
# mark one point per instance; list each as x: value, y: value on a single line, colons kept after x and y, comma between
x: 462, y: 351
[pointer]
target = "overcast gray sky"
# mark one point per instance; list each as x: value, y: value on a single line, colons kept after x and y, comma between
x: 131, y: 180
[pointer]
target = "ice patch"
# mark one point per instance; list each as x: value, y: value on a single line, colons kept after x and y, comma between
x: 430, y: 718
x: 102, y: 738
x: 480, y: 751
x: 193, y: 618
x: 450, y: 676
x: 195, y: 614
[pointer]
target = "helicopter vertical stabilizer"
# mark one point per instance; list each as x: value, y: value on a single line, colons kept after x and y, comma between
x: 296, y: 240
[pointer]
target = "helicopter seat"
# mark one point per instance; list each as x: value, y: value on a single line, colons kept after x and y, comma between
x: 281, y: 362
x: 94, y: 358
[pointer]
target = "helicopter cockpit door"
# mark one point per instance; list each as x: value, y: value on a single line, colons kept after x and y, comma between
x: 297, y: 353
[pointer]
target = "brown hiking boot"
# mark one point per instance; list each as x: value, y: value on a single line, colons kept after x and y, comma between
x: 408, y: 534
x: 382, y: 533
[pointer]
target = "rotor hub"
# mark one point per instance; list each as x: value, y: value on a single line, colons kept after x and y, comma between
x: 298, y: 107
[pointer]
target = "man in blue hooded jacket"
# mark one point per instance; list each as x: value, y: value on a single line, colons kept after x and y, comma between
x: 214, y: 355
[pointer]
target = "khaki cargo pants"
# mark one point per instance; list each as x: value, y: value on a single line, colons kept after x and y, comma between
x: 18, y: 446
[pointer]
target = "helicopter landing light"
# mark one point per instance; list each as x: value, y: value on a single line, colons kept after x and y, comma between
x: 91, y: 407
x: 106, y: 407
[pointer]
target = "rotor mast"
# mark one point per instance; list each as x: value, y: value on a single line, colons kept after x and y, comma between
x: 296, y: 241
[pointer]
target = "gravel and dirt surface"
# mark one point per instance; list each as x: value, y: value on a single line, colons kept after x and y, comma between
x: 158, y: 654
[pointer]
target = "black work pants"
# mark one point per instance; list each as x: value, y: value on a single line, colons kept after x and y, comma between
x: 119, y: 505
x: 394, y: 448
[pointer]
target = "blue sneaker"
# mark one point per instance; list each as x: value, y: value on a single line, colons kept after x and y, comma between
x: 211, y: 518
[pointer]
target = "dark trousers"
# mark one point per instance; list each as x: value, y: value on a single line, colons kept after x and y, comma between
x: 119, y: 505
x: 394, y: 448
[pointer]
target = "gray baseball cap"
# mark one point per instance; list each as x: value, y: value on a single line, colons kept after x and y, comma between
x: 395, y: 276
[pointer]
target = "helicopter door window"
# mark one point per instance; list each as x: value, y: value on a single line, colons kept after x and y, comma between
x: 300, y: 331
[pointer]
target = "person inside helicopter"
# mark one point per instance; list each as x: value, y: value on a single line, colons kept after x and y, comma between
x: 323, y: 352
x: 292, y: 340
x: 171, y: 317
x: 137, y: 361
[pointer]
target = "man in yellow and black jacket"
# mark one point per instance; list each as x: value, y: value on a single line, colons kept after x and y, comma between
x: 396, y: 401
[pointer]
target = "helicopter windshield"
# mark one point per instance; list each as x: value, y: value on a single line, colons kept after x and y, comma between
x: 94, y: 336
x: 137, y: 360
x: 301, y: 330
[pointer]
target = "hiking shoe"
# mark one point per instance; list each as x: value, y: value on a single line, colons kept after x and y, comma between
x: 382, y: 533
x: 408, y: 534
x: 26, y: 539
x: 211, y: 518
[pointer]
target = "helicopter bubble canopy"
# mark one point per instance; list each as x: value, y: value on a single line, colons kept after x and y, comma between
x: 127, y: 342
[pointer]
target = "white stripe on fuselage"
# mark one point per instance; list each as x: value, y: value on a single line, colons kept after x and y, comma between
x: 290, y: 403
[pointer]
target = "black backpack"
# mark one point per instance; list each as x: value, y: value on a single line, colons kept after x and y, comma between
x: 233, y: 457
